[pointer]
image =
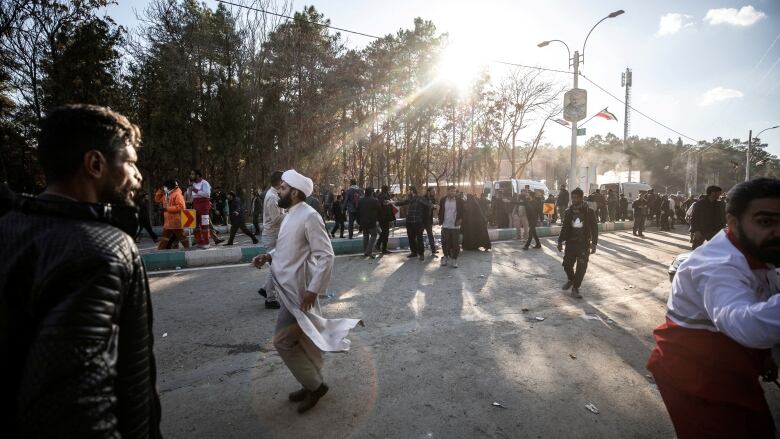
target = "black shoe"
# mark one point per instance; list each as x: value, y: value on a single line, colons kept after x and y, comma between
x: 299, y: 395
x: 413, y: 255
x: 575, y: 293
x: 422, y: 257
x: 525, y: 247
x: 341, y: 237
x: 255, y: 241
x: 272, y: 304
x: 538, y: 246
x: 218, y: 241
x: 386, y: 252
x: 567, y: 285
x: 312, y: 398
x: 262, y: 292
x: 227, y: 243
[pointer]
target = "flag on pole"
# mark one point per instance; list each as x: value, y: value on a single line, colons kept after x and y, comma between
x: 606, y: 115
x: 562, y: 122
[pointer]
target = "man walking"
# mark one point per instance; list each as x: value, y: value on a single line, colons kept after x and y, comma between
x: 301, y: 267
x: 707, y: 217
x: 144, y: 211
x: 237, y: 218
x: 76, y: 350
x: 272, y: 220
x: 532, y: 213
x: 622, y: 208
x: 580, y: 233
x: 351, y: 201
x: 520, y: 215
x: 451, y: 211
x: 430, y: 194
x: 172, y: 201
x: 257, y: 210
x: 367, y: 216
x: 640, y: 214
x: 722, y: 319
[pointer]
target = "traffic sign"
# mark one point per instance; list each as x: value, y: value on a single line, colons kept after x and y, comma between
x: 549, y: 208
x: 580, y: 131
x: 575, y: 105
x: 188, y: 218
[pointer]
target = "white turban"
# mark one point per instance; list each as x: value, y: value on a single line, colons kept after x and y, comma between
x: 298, y: 181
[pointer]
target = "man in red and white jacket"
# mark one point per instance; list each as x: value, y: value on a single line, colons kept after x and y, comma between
x: 723, y: 317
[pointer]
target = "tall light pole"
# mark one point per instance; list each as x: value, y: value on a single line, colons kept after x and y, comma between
x: 750, y: 144
x: 574, y: 62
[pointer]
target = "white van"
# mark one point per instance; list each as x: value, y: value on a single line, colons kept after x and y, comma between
x: 632, y: 189
x: 515, y: 186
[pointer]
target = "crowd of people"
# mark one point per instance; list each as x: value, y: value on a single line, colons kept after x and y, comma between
x: 77, y: 343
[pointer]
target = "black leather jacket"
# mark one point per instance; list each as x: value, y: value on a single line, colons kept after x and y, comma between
x: 76, y: 355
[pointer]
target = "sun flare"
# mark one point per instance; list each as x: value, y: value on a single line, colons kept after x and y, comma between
x: 458, y: 66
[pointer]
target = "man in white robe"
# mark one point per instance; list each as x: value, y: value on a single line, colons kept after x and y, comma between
x: 301, y: 267
x: 272, y: 220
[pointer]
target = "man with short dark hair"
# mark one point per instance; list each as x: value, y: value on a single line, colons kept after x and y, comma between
x: 451, y: 212
x: 386, y: 217
x: 707, y: 217
x: 76, y: 354
x: 237, y: 218
x: 414, y: 222
x: 367, y: 217
x: 430, y: 194
x: 723, y: 316
x: 256, y: 210
x: 351, y: 200
x: 581, y: 234
x: 201, y: 202
x: 273, y: 214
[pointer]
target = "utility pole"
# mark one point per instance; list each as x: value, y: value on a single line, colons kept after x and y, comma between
x: 747, y: 159
x: 573, y: 181
x: 627, y: 82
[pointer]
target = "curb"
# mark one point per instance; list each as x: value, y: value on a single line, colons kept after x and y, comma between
x: 170, y: 260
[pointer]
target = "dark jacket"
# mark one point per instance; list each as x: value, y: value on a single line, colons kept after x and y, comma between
x: 257, y: 206
x: 590, y: 229
x: 368, y: 212
x: 338, y: 212
x: 236, y: 209
x: 563, y: 198
x: 75, y: 298
x: 707, y: 217
x: 352, y: 199
x: 385, y: 211
x: 415, y: 212
x: 458, y: 209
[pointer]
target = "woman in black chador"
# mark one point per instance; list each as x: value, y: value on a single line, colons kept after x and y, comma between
x: 474, y: 227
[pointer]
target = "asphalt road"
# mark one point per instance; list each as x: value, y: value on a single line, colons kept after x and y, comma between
x: 440, y: 347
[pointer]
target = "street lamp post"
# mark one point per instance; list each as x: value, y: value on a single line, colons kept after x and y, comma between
x: 750, y: 144
x: 574, y: 62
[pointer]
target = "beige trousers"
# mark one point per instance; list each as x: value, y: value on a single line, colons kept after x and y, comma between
x: 299, y: 353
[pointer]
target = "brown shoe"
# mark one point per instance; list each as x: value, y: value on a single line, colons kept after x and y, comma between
x: 299, y: 395
x: 312, y: 398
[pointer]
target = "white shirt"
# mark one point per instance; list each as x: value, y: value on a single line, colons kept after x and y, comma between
x: 450, y: 213
x: 303, y: 261
x: 272, y: 214
x: 715, y: 289
x: 200, y: 190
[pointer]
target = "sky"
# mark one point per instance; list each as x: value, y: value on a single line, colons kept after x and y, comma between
x: 704, y: 68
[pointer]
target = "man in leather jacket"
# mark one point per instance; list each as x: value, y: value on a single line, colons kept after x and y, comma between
x: 76, y: 356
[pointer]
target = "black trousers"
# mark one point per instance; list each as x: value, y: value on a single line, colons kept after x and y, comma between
x: 431, y: 238
x: 415, y: 234
x: 256, y: 224
x: 236, y: 224
x: 532, y: 234
x: 352, y: 219
x: 639, y: 224
x: 146, y: 225
x: 384, y: 235
x: 576, y: 253
x: 337, y: 226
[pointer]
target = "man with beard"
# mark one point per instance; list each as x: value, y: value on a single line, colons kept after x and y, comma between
x: 580, y: 232
x: 707, y: 217
x: 76, y: 356
x: 301, y: 268
x: 273, y: 215
x: 723, y: 316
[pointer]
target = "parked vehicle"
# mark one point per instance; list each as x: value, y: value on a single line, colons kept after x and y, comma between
x: 514, y: 186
